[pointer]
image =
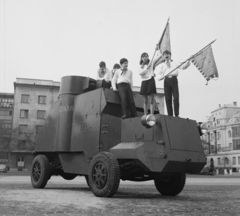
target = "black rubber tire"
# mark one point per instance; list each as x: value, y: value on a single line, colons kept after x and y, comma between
x: 170, y: 185
x: 40, y: 171
x: 87, y: 180
x: 104, y: 175
x: 69, y: 176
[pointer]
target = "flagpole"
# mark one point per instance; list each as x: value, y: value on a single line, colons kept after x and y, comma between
x: 202, y: 49
x: 189, y: 58
x: 160, y: 39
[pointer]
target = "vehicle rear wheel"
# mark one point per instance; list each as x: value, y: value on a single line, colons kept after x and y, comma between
x: 40, y: 171
x: 104, y: 175
x: 69, y: 176
x: 170, y: 184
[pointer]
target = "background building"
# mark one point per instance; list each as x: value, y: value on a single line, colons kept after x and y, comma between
x: 32, y: 102
x: 6, y: 110
x: 223, y: 137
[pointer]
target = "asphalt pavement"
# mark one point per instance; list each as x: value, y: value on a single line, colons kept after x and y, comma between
x: 202, y: 195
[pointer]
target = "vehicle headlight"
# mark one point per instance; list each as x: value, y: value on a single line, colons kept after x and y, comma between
x: 148, y: 120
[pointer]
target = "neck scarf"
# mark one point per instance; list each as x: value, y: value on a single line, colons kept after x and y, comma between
x: 123, y: 71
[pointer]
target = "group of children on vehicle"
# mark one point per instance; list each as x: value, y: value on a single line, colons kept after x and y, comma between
x: 120, y: 79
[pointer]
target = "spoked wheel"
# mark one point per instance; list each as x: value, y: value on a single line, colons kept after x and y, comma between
x: 104, y: 175
x: 170, y: 184
x: 40, y: 171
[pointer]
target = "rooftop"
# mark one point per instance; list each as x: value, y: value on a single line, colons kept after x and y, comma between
x: 234, y: 105
x: 36, y: 82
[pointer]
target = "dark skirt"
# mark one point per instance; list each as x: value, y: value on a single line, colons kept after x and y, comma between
x: 148, y: 87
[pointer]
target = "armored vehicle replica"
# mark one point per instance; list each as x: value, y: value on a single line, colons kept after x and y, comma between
x: 84, y: 135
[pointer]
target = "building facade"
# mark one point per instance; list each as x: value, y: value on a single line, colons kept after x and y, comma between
x: 223, y: 137
x: 6, y: 113
x: 33, y: 100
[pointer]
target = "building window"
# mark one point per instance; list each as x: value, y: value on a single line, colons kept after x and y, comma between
x: 20, y: 161
x: 5, y: 128
x: 226, y: 160
x: 5, y: 113
x: 41, y: 114
x: 236, y: 132
x: 218, y: 135
x: 23, y: 129
x: 5, y: 125
x: 219, y: 161
x: 3, y: 157
x: 236, y: 144
x: 24, y: 98
x: 42, y: 99
x: 238, y: 160
x: 4, y: 143
x: 21, y: 144
x: 23, y: 113
x: 6, y: 102
x: 229, y: 134
x: 234, y: 160
x: 38, y: 129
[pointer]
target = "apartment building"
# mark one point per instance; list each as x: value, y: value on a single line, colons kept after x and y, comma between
x: 6, y: 112
x: 223, y: 137
x: 33, y: 100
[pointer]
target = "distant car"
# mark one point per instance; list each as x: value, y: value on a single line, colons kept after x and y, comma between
x: 3, y: 168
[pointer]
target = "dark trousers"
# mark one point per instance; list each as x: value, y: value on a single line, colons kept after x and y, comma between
x: 127, y: 100
x: 171, y: 91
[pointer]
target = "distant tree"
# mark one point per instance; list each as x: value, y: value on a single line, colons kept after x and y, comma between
x: 23, y: 141
x: 5, y: 138
x: 205, y: 145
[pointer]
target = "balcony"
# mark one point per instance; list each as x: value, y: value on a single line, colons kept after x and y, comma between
x: 224, y: 149
x: 5, y: 117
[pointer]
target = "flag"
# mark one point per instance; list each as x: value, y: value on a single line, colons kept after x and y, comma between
x: 164, y: 42
x: 205, y: 63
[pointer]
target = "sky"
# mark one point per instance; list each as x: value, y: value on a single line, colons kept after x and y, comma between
x: 49, y: 39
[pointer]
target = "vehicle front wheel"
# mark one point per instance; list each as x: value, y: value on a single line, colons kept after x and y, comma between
x: 170, y: 184
x: 40, y: 171
x: 104, y: 175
